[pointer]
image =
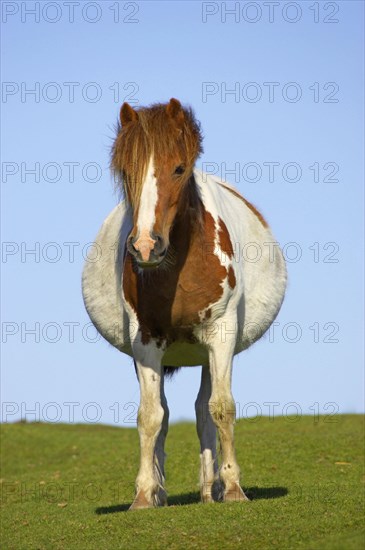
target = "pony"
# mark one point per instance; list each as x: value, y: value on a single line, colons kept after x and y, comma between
x: 173, y: 287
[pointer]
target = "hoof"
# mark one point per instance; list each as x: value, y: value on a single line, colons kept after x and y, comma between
x: 140, y: 502
x: 206, y: 493
x: 212, y: 492
x: 206, y: 498
x: 234, y: 494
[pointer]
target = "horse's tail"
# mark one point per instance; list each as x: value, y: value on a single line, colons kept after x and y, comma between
x: 169, y: 372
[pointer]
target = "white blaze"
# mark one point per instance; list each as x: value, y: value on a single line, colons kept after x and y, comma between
x: 146, y: 214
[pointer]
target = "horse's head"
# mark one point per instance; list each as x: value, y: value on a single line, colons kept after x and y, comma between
x: 154, y: 153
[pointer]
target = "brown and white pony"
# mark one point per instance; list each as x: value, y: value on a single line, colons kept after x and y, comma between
x: 174, y: 287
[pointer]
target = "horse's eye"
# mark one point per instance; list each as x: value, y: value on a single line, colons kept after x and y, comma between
x: 180, y: 170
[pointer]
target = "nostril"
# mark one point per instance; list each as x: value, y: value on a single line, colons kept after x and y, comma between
x: 160, y: 245
x: 157, y: 238
x: 131, y: 242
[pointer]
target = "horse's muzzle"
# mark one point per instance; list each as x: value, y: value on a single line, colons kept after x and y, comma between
x: 149, y: 251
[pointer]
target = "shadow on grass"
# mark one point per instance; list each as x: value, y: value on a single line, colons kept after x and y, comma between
x: 112, y: 509
x: 257, y: 493
x: 185, y: 499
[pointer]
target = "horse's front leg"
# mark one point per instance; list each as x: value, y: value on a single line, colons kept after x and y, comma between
x: 222, y: 406
x: 150, y: 417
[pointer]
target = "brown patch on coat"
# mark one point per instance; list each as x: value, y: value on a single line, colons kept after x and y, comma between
x: 168, y: 301
x: 248, y: 204
x: 224, y: 239
x: 231, y: 277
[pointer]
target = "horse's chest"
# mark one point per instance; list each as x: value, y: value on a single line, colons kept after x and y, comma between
x: 170, y: 305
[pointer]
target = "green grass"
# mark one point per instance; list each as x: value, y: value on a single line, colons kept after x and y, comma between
x: 69, y: 486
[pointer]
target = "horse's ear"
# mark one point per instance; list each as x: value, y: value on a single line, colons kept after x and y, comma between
x: 127, y: 114
x: 175, y: 111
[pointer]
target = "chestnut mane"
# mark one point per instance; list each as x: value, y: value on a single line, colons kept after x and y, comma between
x: 153, y: 132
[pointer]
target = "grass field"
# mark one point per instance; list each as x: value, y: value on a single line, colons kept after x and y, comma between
x: 69, y: 486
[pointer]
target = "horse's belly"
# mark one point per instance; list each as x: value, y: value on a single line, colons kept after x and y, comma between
x: 182, y: 354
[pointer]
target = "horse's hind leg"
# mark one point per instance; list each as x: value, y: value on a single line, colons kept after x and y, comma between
x: 207, y: 435
x: 160, y: 447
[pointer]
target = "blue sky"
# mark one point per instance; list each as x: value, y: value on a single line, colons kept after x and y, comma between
x: 292, y: 130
